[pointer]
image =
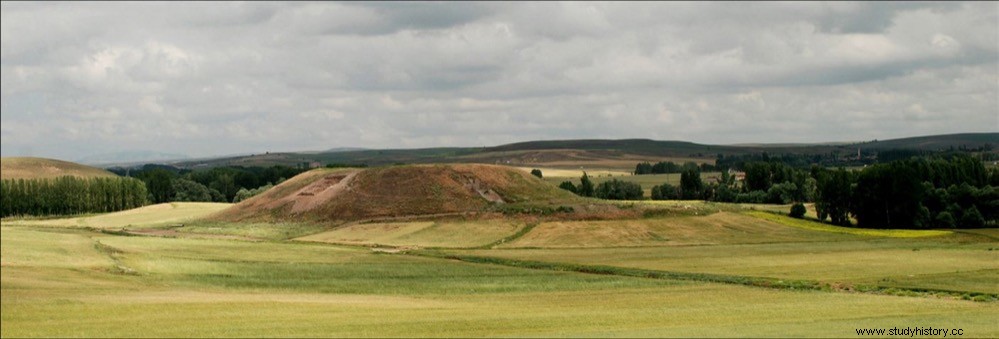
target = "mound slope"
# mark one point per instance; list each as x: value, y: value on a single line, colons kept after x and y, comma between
x: 41, y: 168
x: 399, y: 191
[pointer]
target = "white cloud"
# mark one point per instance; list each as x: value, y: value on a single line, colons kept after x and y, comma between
x: 223, y: 78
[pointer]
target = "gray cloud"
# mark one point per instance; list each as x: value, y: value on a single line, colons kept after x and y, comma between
x: 220, y: 78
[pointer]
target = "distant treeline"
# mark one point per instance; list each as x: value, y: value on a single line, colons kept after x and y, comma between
x: 667, y: 167
x: 937, y: 191
x: 219, y: 184
x: 927, y: 192
x: 832, y: 159
x: 844, y: 158
x: 70, y: 195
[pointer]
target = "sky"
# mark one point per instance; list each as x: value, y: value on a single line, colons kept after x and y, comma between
x: 204, y: 79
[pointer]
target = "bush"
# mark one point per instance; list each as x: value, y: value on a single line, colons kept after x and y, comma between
x: 665, y: 192
x: 945, y: 220
x: 536, y: 172
x: 798, y: 211
x: 619, y: 190
x: 972, y: 218
x: 568, y: 186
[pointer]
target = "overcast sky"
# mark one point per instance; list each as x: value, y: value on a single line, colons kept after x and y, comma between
x: 205, y: 79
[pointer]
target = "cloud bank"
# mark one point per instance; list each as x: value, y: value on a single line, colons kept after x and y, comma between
x: 219, y: 78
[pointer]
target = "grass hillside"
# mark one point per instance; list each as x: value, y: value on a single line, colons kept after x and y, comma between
x: 41, y: 168
x: 400, y: 191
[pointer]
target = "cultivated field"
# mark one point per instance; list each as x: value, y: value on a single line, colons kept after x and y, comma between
x: 60, y: 279
x: 148, y: 216
x: 556, y: 176
x: 421, y: 233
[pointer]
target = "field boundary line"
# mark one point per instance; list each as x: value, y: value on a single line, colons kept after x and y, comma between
x: 764, y: 282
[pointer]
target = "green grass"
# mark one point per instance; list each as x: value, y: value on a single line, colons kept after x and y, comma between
x: 267, y: 231
x: 955, y: 266
x: 233, y: 288
x: 420, y: 233
x: 78, y: 282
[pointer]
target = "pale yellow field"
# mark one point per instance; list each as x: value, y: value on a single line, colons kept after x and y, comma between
x: 210, y: 288
x: 717, y: 228
x: 889, y: 262
x: 420, y: 233
x: 817, y: 226
x: 147, y: 216
x: 576, y: 173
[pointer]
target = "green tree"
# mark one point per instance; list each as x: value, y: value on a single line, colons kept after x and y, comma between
x: 585, y: 186
x: 643, y: 168
x: 189, y: 190
x: 972, y: 218
x: 226, y: 185
x: 691, y: 186
x: 536, y: 172
x: 159, y: 183
x: 798, y: 211
x: 665, y: 192
x: 834, y: 197
x: 619, y: 190
x: 945, y: 220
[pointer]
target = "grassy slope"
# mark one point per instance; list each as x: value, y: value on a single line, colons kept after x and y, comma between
x: 232, y: 288
x: 717, y: 228
x: 40, y: 168
x: 147, y: 216
x: 744, y: 244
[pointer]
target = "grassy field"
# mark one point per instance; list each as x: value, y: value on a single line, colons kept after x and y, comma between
x: 645, y: 180
x: 717, y: 228
x: 148, y: 216
x: 66, y: 282
x: 41, y: 168
x: 59, y: 279
x: 421, y: 233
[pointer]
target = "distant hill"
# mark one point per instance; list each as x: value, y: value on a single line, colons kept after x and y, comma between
x: 327, y: 195
x: 592, y: 153
x: 130, y: 157
x: 38, y: 168
x: 939, y: 142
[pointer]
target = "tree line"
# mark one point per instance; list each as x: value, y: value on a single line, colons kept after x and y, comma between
x: 669, y: 167
x: 936, y: 191
x: 925, y: 192
x: 612, y: 190
x: 70, y: 195
x: 219, y: 184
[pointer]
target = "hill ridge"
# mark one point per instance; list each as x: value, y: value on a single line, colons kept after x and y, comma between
x: 44, y: 168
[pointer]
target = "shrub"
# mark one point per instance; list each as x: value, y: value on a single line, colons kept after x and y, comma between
x: 798, y: 210
x: 536, y: 172
x: 568, y: 186
x: 665, y: 192
x: 945, y: 220
x: 972, y: 218
x: 619, y: 190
